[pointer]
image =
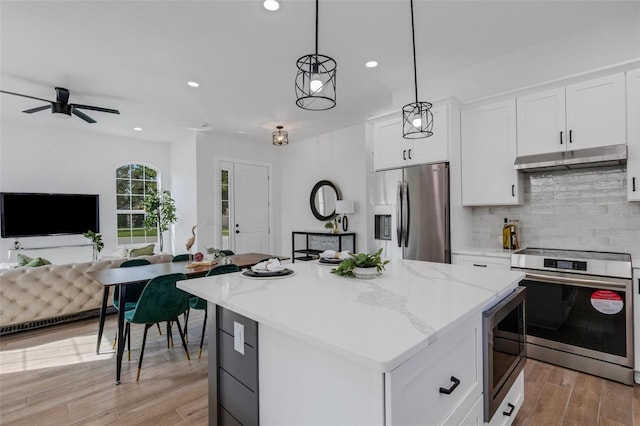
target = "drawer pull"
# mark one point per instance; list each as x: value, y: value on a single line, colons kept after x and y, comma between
x: 453, y: 387
x: 510, y: 412
x: 480, y: 265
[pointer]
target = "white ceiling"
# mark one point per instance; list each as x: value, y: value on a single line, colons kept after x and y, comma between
x: 136, y: 56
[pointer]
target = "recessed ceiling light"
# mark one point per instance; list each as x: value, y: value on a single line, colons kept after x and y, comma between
x: 271, y: 5
x: 371, y: 64
x: 193, y: 84
x: 137, y: 129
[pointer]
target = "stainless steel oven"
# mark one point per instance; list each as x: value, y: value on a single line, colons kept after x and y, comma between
x: 504, y: 348
x: 579, y: 310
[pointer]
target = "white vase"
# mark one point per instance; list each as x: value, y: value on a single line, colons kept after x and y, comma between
x: 365, y: 273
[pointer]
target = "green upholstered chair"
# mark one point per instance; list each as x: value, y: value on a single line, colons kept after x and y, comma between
x: 133, y: 291
x: 160, y: 301
x: 180, y: 257
x: 227, y: 252
x: 197, y: 303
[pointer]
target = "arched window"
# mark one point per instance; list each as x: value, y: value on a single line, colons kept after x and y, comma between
x: 133, y: 183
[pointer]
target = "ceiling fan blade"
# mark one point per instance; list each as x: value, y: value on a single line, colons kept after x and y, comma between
x: 24, y: 96
x: 95, y: 108
x: 82, y: 115
x: 32, y: 110
x: 62, y: 95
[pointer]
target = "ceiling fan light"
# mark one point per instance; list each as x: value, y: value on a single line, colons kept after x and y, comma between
x: 61, y: 110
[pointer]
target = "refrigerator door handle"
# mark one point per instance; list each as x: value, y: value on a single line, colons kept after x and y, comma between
x: 405, y: 213
x: 399, y: 214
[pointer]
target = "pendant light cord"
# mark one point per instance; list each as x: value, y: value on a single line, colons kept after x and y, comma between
x: 413, y: 35
x: 317, y: 29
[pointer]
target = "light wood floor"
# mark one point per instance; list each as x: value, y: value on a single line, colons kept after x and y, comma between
x: 52, y: 376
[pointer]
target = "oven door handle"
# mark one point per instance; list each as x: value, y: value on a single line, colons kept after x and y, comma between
x: 579, y: 282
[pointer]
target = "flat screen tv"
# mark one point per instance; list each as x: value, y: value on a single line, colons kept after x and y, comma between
x: 33, y: 214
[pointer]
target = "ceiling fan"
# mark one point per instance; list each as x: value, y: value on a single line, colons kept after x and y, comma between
x: 62, y: 107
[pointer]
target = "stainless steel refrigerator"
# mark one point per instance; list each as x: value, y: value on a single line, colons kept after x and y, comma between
x: 411, y: 213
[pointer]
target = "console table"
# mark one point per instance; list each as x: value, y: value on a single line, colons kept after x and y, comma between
x: 307, y: 245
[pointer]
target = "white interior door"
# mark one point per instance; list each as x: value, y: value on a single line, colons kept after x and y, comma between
x: 249, y: 227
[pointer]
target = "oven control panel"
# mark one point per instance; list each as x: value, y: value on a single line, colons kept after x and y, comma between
x: 572, y: 265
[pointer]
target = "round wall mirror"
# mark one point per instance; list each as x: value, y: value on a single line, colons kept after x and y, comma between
x: 323, y: 200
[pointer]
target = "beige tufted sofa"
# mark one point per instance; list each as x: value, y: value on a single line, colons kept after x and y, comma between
x: 32, y: 297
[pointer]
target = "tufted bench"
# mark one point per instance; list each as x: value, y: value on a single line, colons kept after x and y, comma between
x: 34, y: 297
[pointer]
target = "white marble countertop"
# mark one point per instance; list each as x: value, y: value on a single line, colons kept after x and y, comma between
x: 483, y: 251
x: 380, y: 322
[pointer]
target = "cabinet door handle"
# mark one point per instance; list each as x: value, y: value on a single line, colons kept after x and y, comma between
x: 409, y: 154
x: 561, y: 132
x: 633, y: 184
x: 453, y: 387
x: 570, y: 136
x: 513, y: 190
x: 510, y: 412
x: 404, y: 154
x: 480, y: 265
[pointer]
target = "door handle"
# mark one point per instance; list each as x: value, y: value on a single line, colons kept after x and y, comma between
x: 237, y: 231
x: 406, y: 213
x: 511, y: 408
x: 399, y: 214
x: 453, y: 387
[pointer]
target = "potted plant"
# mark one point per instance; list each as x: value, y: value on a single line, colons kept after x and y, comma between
x: 332, y: 225
x: 160, y: 213
x: 361, y: 265
x: 96, y: 241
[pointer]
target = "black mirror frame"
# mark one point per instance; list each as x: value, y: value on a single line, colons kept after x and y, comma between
x: 312, y: 200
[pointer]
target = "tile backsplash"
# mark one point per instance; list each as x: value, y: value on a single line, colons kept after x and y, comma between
x: 575, y: 209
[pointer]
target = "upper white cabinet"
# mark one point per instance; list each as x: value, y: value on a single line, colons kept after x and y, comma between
x: 391, y: 150
x: 488, y: 140
x: 633, y: 132
x: 582, y: 115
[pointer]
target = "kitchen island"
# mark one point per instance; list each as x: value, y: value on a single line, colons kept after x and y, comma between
x: 316, y: 348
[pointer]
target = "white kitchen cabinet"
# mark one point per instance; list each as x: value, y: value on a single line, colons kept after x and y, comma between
x: 506, y: 412
x: 581, y: 115
x: 391, y: 150
x: 488, y: 141
x: 633, y: 134
x: 500, y: 262
x: 416, y: 391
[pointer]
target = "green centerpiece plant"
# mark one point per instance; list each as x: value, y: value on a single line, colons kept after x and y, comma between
x: 350, y: 266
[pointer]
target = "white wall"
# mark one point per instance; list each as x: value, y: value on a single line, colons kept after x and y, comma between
x: 340, y: 157
x: 184, y: 187
x: 43, y: 159
x: 611, y: 43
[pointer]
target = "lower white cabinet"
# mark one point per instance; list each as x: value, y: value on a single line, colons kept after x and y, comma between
x: 488, y: 146
x: 506, y: 412
x: 440, y: 383
x: 481, y: 261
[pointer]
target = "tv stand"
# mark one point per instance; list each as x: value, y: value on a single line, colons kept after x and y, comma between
x: 60, y: 254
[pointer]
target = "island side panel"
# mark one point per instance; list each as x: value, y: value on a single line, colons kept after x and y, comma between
x: 212, y: 351
x: 304, y: 384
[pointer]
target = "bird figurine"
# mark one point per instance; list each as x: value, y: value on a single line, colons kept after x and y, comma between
x: 191, y: 241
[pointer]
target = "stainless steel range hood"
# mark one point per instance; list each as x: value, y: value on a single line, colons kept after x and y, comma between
x: 577, y: 159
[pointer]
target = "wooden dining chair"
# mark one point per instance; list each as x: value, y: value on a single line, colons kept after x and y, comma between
x: 160, y: 301
x: 197, y: 303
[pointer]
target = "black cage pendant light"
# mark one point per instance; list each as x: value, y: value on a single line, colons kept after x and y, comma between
x: 280, y: 137
x: 316, y: 80
x: 417, y: 119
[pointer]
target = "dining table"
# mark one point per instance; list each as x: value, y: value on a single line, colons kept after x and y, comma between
x: 121, y: 277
